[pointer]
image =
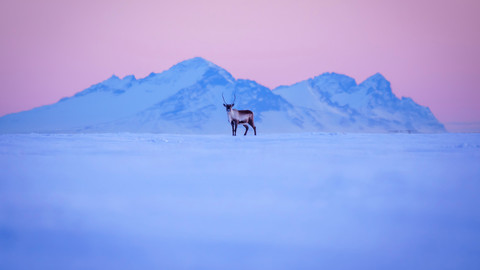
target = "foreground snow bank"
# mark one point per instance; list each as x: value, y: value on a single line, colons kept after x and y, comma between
x: 300, y: 201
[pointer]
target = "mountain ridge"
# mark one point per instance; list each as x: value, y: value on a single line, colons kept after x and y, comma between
x: 187, y: 99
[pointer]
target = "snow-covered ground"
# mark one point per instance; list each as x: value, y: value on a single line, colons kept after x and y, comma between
x: 290, y: 201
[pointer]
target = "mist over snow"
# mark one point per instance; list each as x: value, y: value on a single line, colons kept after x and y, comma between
x: 277, y: 201
x: 187, y: 98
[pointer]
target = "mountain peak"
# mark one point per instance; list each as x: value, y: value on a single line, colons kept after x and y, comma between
x: 377, y: 77
x: 196, y: 59
x: 113, y: 78
x: 195, y: 62
x: 343, y: 81
x: 129, y: 78
x: 377, y: 82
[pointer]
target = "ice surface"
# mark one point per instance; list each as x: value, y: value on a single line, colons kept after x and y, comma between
x: 290, y: 201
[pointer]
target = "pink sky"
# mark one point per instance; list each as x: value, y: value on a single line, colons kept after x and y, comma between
x: 428, y: 50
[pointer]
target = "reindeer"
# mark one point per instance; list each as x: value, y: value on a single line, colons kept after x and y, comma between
x: 236, y: 117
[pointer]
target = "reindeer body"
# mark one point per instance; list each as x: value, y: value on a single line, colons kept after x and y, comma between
x: 236, y: 117
x: 242, y: 116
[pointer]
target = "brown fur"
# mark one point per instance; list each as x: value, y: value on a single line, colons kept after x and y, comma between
x: 240, y: 117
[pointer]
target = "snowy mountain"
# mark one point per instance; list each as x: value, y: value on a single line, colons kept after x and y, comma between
x: 335, y: 102
x: 187, y: 98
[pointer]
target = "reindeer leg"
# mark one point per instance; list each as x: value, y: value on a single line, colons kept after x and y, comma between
x: 233, y: 128
x: 236, y: 125
x: 246, y: 129
x: 250, y: 122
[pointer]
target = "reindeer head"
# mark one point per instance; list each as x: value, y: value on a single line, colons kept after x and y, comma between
x: 229, y: 106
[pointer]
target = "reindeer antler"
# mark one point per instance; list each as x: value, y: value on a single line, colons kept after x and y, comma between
x: 224, y: 102
x: 234, y: 97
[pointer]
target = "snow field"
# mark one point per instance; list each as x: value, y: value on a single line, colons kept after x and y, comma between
x: 289, y: 201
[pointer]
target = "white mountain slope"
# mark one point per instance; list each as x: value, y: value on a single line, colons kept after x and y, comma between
x: 335, y: 102
x: 187, y: 98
